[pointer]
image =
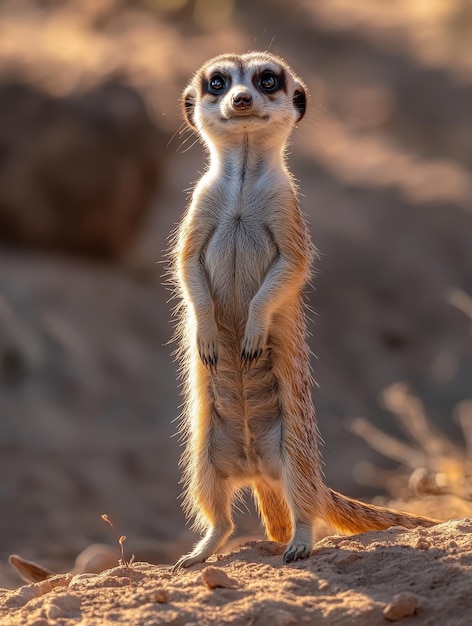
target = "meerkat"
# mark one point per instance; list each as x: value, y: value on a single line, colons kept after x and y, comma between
x: 242, y: 255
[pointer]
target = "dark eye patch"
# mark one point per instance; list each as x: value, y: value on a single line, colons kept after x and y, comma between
x: 215, y: 84
x: 268, y: 81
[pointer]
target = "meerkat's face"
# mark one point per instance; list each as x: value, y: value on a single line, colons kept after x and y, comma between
x: 249, y: 93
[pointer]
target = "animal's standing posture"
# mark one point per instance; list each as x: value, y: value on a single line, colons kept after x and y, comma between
x: 242, y: 256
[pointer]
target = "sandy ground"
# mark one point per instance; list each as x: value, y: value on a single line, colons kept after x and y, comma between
x: 418, y: 577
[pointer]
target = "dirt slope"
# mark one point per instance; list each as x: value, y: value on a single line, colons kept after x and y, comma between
x: 418, y: 577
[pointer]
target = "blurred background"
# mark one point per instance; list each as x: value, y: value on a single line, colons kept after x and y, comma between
x: 95, y: 170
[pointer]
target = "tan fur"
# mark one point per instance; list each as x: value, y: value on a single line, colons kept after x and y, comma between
x: 242, y: 256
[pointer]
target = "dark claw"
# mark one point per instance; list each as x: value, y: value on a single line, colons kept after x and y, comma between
x: 296, y: 553
x: 213, y: 364
x: 209, y: 361
x: 290, y: 557
x: 181, y: 564
x: 249, y: 358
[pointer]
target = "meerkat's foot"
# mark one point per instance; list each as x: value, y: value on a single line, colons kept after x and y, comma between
x: 196, y: 556
x: 187, y: 560
x: 214, y: 538
x: 296, y: 552
x: 300, y: 546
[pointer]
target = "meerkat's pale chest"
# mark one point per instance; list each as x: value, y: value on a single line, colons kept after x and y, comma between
x: 237, y: 257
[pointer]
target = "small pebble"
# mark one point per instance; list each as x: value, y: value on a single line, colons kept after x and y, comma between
x: 53, y: 611
x: 95, y: 559
x: 216, y: 577
x: 422, y: 544
x: 401, y: 605
x: 62, y: 605
x: 161, y: 596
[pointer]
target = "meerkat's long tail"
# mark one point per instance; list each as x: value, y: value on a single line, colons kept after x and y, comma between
x: 353, y: 516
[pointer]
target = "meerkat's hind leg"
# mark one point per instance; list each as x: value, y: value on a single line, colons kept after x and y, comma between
x: 214, y: 504
x: 305, y: 496
x: 274, y: 510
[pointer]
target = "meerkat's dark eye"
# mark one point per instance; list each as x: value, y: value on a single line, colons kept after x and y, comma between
x: 216, y: 84
x: 268, y: 82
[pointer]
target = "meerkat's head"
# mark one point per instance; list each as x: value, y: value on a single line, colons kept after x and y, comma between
x: 254, y: 93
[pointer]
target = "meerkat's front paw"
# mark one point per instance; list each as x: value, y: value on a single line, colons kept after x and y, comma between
x: 252, y: 350
x: 208, y: 351
x: 207, y: 344
x: 253, y: 345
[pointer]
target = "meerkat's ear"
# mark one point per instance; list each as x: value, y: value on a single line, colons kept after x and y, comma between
x: 299, y: 99
x: 189, y: 98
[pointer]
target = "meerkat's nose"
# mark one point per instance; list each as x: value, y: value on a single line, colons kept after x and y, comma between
x: 241, y: 100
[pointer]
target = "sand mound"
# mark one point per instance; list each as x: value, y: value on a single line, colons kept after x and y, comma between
x: 419, y: 577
